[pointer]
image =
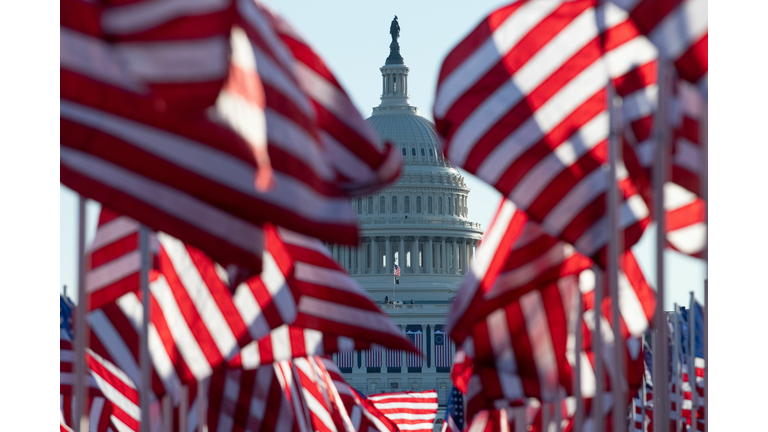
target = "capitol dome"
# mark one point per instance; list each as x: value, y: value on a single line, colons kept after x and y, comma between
x: 419, y: 224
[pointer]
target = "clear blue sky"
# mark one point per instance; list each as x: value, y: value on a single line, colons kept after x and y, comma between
x: 353, y: 39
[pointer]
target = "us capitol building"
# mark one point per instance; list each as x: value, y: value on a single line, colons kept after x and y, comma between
x: 420, y: 223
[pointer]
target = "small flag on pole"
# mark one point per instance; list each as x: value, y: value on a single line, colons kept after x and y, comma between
x: 397, y: 270
x: 454, y: 415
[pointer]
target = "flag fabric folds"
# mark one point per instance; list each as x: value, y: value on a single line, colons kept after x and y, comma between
x: 522, y: 104
x: 184, y: 150
x: 411, y: 411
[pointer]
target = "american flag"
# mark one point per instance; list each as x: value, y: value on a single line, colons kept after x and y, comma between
x: 454, y: 414
x: 443, y: 353
x: 394, y: 360
x: 345, y: 361
x: 397, y: 270
x: 373, y: 359
x: 411, y: 411
x: 416, y: 336
x: 521, y: 103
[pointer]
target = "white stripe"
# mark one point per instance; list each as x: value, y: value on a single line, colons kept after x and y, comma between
x: 113, y: 271
x: 282, y: 348
x: 112, y: 369
x: 680, y: 29
x: 641, y: 103
x: 571, y: 96
x: 254, y: 15
x: 408, y: 416
x: 168, y: 200
x: 182, y: 335
x: 189, y: 60
x: 504, y: 38
x: 578, y: 197
x: 526, y: 273
x: 141, y: 16
x: 545, y: 62
x: 96, y: 59
x: 629, y: 55
x: 250, y: 356
x: 118, y: 399
x: 540, y: 338
x: 313, y: 342
x: 216, y: 166
x: 501, y: 341
x: 565, y: 155
x: 272, y: 75
x: 675, y: 196
x: 245, y: 117
x: 326, y: 277
x: 689, y: 240
x: 250, y: 311
x: 97, y: 406
x: 112, y: 231
x: 200, y: 294
x: 278, y: 289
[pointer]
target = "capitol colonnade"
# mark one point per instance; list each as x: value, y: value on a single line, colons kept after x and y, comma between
x: 422, y: 254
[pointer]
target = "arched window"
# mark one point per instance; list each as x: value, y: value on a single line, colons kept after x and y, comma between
x: 407, y: 203
x: 359, y: 206
x: 456, y: 206
x: 413, y: 151
x: 405, y: 152
x: 394, y: 204
x: 440, y: 205
x: 431, y: 152
x: 418, y: 204
x: 450, y: 209
x: 382, y: 204
x: 370, y: 205
x: 422, y: 152
x: 429, y: 205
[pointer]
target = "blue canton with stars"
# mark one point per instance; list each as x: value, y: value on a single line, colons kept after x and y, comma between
x: 455, y: 410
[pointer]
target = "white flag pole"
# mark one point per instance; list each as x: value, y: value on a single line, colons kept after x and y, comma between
x: 167, y: 413
x: 662, y: 135
x: 144, y: 362
x: 202, y: 406
x: 80, y: 417
x: 644, y: 396
x: 613, y: 203
x: 579, y: 415
x: 597, y: 348
x: 678, y: 362
x: 183, y: 409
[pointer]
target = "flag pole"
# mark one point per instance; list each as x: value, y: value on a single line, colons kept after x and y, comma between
x: 644, y: 396
x: 613, y: 203
x: 167, y: 413
x: 662, y: 135
x: 144, y: 340
x: 692, y: 359
x: 706, y: 354
x: 80, y: 418
x: 183, y: 407
x: 201, y: 407
x: 597, y: 348
x: 678, y: 371
x: 579, y: 415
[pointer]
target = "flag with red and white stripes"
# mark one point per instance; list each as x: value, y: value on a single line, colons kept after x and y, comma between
x: 687, y: 150
x: 515, y: 257
x: 345, y: 361
x: 679, y: 29
x: 67, y: 364
x: 373, y: 358
x: 97, y: 408
x: 136, y: 134
x: 394, y: 358
x: 414, y: 359
x: 522, y: 104
x: 115, y: 258
x: 411, y: 411
x: 363, y: 415
x: 685, y: 221
x: 443, y: 354
x: 120, y: 391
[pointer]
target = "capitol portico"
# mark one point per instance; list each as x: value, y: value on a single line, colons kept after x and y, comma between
x: 420, y: 223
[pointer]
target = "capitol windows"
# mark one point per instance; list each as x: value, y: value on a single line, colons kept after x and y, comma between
x: 407, y: 203
x: 440, y: 205
x: 429, y: 205
x: 431, y: 154
x: 413, y: 151
x: 450, y: 209
x: 370, y: 205
x: 394, y: 204
x: 422, y: 152
x: 418, y: 204
x: 382, y: 204
x: 359, y: 206
x: 405, y: 152
x: 456, y: 206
